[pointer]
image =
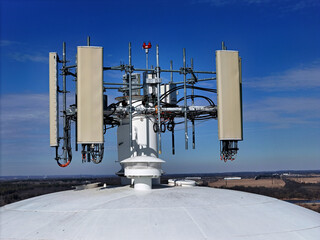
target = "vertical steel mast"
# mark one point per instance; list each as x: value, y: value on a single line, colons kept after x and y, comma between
x: 130, y: 97
x: 192, y: 98
x: 185, y: 99
x: 158, y: 100
x: 64, y: 60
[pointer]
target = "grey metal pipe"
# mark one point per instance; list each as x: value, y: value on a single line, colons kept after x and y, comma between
x: 88, y: 40
x: 171, y: 74
x: 206, y: 79
x: 205, y: 72
x: 178, y: 109
x: 64, y: 101
x: 122, y: 88
x: 170, y: 70
x: 192, y: 90
x: 152, y: 70
x: 223, y: 46
x: 121, y: 84
x: 193, y: 127
x: 147, y: 66
x: 130, y: 99
x: 113, y: 68
x: 72, y: 66
x: 158, y: 100
x: 199, y: 80
x: 185, y: 99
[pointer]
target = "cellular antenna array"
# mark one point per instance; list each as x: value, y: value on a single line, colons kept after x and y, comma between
x: 147, y: 107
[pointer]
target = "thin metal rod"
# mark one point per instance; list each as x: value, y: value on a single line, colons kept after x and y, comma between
x: 193, y: 127
x: 122, y: 88
x: 170, y: 70
x: 147, y: 66
x: 206, y: 79
x: 172, y: 132
x: 192, y: 91
x: 121, y: 84
x: 64, y: 102
x: 72, y: 66
x: 171, y: 74
x: 179, y: 71
x: 172, y: 139
x: 204, y: 72
x: 158, y: 100
x: 223, y: 46
x: 185, y: 99
x: 130, y: 99
x: 76, y: 124
x: 199, y: 80
x: 88, y: 40
x: 113, y: 68
x: 162, y: 70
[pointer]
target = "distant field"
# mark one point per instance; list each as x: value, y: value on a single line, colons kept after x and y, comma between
x: 268, y: 183
x: 17, y: 190
x: 304, y: 187
x: 305, y: 179
x: 288, y: 188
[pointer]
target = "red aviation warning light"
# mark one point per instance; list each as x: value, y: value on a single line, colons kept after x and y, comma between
x: 146, y: 47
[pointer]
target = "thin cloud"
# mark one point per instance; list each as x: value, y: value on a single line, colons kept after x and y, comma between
x: 287, y: 112
x: 293, y: 6
x: 229, y: 2
x: 24, y: 107
x: 285, y: 5
x: 5, y: 43
x: 24, y: 116
x: 24, y: 57
x: 290, y: 80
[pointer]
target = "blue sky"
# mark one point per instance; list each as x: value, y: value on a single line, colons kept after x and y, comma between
x: 277, y: 40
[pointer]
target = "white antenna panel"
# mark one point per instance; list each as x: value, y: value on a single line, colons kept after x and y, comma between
x: 53, y: 98
x: 228, y: 66
x: 90, y: 95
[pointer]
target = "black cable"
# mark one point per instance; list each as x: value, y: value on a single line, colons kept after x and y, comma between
x: 198, y: 96
x: 188, y: 86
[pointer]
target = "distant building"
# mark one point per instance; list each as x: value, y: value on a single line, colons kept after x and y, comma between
x: 232, y: 178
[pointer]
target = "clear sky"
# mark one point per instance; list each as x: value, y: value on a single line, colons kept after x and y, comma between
x: 277, y: 40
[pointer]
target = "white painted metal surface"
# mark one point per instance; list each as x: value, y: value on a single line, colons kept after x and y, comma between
x: 142, y: 169
x: 53, y: 98
x: 163, y: 213
x: 90, y: 94
x: 229, y: 95
x: 143, y: 136
x: 185, y: 183
x: 144, y: 145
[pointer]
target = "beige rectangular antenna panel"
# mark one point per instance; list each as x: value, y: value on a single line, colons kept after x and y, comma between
x: 90, y: 95
x: 228, y: 67
x: 53, y: 99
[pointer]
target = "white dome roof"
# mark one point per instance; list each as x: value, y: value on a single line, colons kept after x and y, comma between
x: 142, y: 159
x: 163, y: 213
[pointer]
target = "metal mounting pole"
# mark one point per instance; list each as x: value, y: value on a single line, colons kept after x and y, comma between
x: 88, y: 41
x: 193, y: 127
x: 130, y: 99
x: 171, y: 74
x: 172, y: 132
x: 172, y: 139
x: 147, y: 53
x: 223, y: 46
x: 64, y: 101
x: 185, y: 99
x: 76, y: 102
x: 158, y: 100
